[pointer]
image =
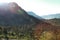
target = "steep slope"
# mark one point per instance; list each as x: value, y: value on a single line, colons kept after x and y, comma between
x: 14, y: 20
x: 12, y: 14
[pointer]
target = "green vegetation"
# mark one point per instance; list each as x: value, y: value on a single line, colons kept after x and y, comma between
x: 15, y: 33
x: 26, y: 32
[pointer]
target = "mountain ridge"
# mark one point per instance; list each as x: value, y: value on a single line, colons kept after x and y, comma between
x: 51, y: 16
x: 35, y: 15
x: 14, y: 17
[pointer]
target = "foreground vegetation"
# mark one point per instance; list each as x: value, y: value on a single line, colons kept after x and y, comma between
x: 24, y: 32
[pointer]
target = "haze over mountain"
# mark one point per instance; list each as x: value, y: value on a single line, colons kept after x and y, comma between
x: 35, y: 15
x: 51, y: 16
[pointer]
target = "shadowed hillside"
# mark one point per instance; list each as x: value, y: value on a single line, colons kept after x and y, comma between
x: 46, y: 31
x: 16, y: 23
x: 54, y: 21
x: 12, y: 15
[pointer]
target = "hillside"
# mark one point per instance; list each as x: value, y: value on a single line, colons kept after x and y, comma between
x: 49, y: 30
x: 12, y: 14
x: 15, y: 22
x: 55, y: 21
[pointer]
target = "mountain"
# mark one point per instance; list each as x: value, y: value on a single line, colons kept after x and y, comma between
x: 33, y: 14
x: 12, y: 14
x: 16, y: 23
x: 51, y: 16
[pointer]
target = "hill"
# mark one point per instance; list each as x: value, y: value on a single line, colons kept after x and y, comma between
x: 12, y: 14
x: 48, y: 30
x: 55, y: 21
x: 15, y: 22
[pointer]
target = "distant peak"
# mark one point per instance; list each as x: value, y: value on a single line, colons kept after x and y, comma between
x: 11, y: 7
x: 13, y: 4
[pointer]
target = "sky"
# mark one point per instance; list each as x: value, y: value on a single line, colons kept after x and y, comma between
x: 40, y: 7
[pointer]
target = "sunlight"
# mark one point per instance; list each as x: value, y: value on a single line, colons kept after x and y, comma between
x: 4, y: 1
x: 37, y: 6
